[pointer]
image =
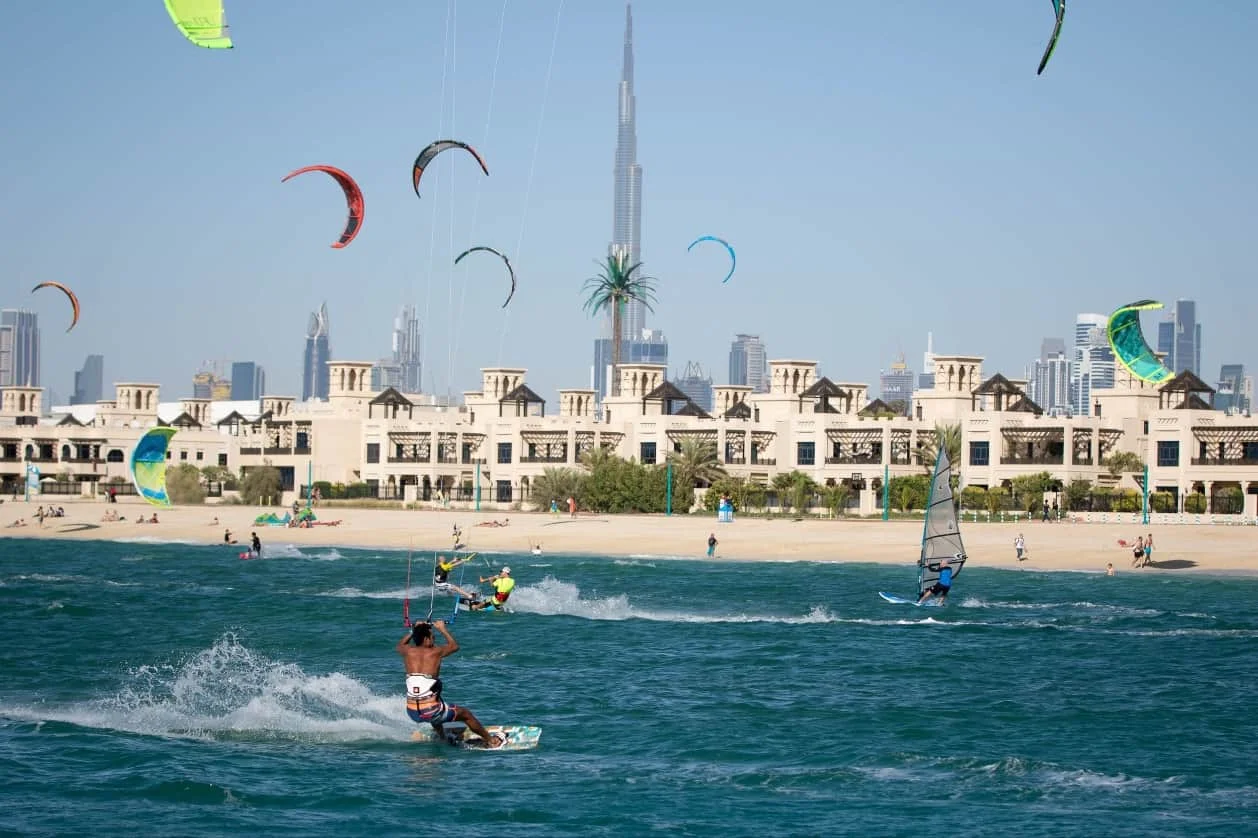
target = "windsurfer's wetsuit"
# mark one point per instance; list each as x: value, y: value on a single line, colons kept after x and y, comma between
x: 423, y: 700
x: 943, y: 584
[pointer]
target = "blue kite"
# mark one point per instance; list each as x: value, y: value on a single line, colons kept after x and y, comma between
x: 733, y: 260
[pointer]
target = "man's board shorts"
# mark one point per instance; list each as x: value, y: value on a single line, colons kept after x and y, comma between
x: 423, y: 701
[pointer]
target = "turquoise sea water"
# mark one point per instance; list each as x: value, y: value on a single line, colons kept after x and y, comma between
x: 175, y: 689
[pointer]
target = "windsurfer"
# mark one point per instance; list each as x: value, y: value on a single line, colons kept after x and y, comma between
x: 424, y: 704
x: 942, y: 585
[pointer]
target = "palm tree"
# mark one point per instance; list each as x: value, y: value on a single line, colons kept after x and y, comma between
x: 695, y: 463
x: 949, y: 436
x: 616, y: 284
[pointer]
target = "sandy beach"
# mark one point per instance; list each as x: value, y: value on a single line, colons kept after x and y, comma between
x: 1050, y: 546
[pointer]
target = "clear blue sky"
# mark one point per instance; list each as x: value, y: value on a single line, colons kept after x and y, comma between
x: 883, y: 168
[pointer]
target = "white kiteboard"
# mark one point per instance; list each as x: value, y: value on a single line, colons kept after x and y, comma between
x: 933, y: 602
x: 518, y: 737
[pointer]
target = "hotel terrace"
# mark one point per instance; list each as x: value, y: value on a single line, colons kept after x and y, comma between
x: 486, y: 451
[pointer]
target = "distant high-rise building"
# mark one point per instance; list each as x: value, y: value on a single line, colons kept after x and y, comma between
x: 1179, y: 338
x: 926, y: 380
x: 387, y: 373
x: 315, y: 375
x: 896, y: 385
x: 626, y: 240
x: 696, y: 385
x: 19, y: 348
x: 1051, y: 347
x: 627, y: 180
x: 650, y: 347
x: 1092, y: 366
x: 248, y: 381
x: 1048, y: 381
x: 89, y: 382
x: 748, y: 363
x: 406, y: 354
x: 1230, y: 391
x: 207, y: 384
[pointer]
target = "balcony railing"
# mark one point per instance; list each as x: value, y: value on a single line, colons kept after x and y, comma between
x: 557, y: 459
x: 277, y: 449
x: 854, y: 459
x: 1218, y: 461
x: 735, y: 461
x: 764, y: 461
x: 1039, y: 460
x: 302, y: 450
x: 408, y: 459
x: 252, y: 450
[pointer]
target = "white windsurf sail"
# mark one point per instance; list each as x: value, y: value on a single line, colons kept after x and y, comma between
x: 941, y: 536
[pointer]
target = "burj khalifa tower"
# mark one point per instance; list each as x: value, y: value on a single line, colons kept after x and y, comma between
x: 627, y: 195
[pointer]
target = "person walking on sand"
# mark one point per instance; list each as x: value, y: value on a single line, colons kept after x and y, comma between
x: 1019, y: 547
x: 711, y: 545
x: 1148, y: 551
x: 572, y: 507
x: 1137, y: 552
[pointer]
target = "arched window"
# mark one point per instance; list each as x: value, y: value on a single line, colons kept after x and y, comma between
x: 65, y: 452
x: 115, y: 455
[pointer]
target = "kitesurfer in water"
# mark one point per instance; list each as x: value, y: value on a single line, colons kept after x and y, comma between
x: 942, y: 585
x: 441, y: 574
x: 424, y: 704
x: 502, y: 584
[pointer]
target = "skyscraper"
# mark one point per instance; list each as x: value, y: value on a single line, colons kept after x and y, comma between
x: 315, y: 373
x: 638, y: 343
x: 627, y: 175
x: 19, y: 348
x: 695, y: 384
x: 896, y: 385
x: 1179, y: 337
x: 748, y: 363
x: 1231, y: 391
x: 89, y: 382
x: 1092, y: 366
x: 248, y: 381
x: 650, y: 347
x: 926, y: 379
x: 406, y: 355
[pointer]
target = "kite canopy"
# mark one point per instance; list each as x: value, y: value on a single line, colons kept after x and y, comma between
x: 74, y: 300
x: 1129, y: 345
x: 733, y: 260
x: 201, y: 21
x: 432, y: 150
x: 1059, y: 9
x: 148, y: 465
x: 353, y: 199
x: 505, y: 261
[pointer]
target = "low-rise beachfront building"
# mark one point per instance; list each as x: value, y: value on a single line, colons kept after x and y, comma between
x: 488, y: 450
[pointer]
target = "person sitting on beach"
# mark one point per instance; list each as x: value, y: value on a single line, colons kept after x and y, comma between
x: 153, y: 520
x: 214, y: 523
x: 942, y: 585
x: 18, y: 523
x: 423, y: 685
x: 227, y: 537
x: 1137, y: 552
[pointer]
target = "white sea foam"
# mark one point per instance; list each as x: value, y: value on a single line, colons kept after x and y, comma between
x: 228, y: 690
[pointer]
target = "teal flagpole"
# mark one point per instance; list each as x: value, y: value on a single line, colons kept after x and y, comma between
x: 668, y: 489
x: 886, y: 492
x: 1145, y: 504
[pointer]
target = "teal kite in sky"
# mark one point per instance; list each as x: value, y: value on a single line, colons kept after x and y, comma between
x: 733, y: 260
x: 1059, y: 9
x: 1130, y: 347
x: 148, y: 465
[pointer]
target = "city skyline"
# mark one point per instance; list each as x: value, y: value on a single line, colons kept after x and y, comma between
x: 853, y: 209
